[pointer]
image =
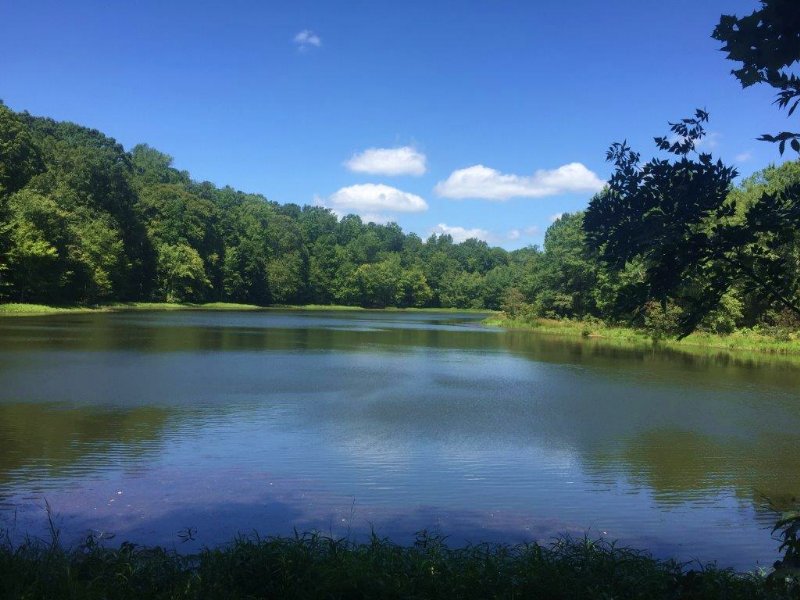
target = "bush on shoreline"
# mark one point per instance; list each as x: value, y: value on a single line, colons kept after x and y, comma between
x: 757, y: 339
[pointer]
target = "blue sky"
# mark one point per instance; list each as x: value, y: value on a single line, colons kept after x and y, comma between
x: 485, y: 117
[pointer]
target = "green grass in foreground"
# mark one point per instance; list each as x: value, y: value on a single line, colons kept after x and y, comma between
x: 741, y: 340
x: 313, y: 566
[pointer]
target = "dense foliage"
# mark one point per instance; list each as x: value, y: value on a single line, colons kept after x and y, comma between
x: 693, y: 243
x: 82, y: 221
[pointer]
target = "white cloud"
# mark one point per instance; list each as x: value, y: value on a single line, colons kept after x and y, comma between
x: 371, y: 199
x: 460, y: 234
x: 556, y: 217
x: 306, y: 39
x: 388, y: 161
x: 514, y: 234
x: 743, y: 157
x: 533, y: 230
x: 479, y: 181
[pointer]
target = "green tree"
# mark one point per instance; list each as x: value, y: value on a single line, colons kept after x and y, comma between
x: 285, y: 278
x: 414, y: 288
x: 98, y: 252
x: 244, y: 223
x: 175, y: 217
x: 496, y: 284
x: 379, y: 284
x: 782, y: 248
x: 322, y: 268
x: 37, y: 234
x: 463, y: 290
x: 567, y: 275
x: 151, y: 167
x: 677, y: 220
x: 181, y: 274
x: 20, y: 159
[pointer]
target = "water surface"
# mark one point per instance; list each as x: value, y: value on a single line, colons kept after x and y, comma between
x: 149, y: 425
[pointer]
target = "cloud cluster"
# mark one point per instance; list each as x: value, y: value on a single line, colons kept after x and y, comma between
x: 388, y: 161
x: 483, y: 182
x: 307, y: 39
x: 377, y: 202
x: 372, y: 200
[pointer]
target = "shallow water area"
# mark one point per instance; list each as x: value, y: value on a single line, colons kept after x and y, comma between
x: 186, y: 428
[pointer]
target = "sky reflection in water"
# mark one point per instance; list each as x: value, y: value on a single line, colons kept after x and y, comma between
x: 144, y: 424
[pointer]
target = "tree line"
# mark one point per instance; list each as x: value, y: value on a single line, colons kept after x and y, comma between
x: 670, y: 245
x: 82, y: 221
x: 656, y: 269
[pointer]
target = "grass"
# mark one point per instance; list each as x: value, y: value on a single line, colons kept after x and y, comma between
x: 314, y: 566
x: 23, y: 310
x: 20, y: 309
x: 335, y: 307
x: 317, y: 307
x: 745, y: 340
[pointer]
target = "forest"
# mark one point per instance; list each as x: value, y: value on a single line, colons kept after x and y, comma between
x: 85, y: 222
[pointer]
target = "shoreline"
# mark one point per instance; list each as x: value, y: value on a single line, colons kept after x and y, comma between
x: 20, y: 309
x: 740, y: 341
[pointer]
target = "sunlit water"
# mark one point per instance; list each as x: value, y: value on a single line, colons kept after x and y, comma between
x: 151, y: 425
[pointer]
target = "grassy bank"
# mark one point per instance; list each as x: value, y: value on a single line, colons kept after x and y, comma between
x: 741, y: 340
x: 311, y: 566
x: 22, y: 309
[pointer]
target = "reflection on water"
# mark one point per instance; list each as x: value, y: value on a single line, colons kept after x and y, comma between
x: 147, y: 423
x: 43, y: 441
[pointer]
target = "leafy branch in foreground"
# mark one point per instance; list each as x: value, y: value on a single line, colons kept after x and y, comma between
x: 767, y: 42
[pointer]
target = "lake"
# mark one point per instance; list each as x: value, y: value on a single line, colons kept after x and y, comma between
x: 185, y: 428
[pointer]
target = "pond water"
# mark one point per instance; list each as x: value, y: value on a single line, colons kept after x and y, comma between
x: 152, y: 426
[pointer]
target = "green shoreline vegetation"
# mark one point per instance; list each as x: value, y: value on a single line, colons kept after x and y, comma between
x: 315, y: 566
x: 740, y: 340
x: 20, y: 309
x: 86, y: 223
